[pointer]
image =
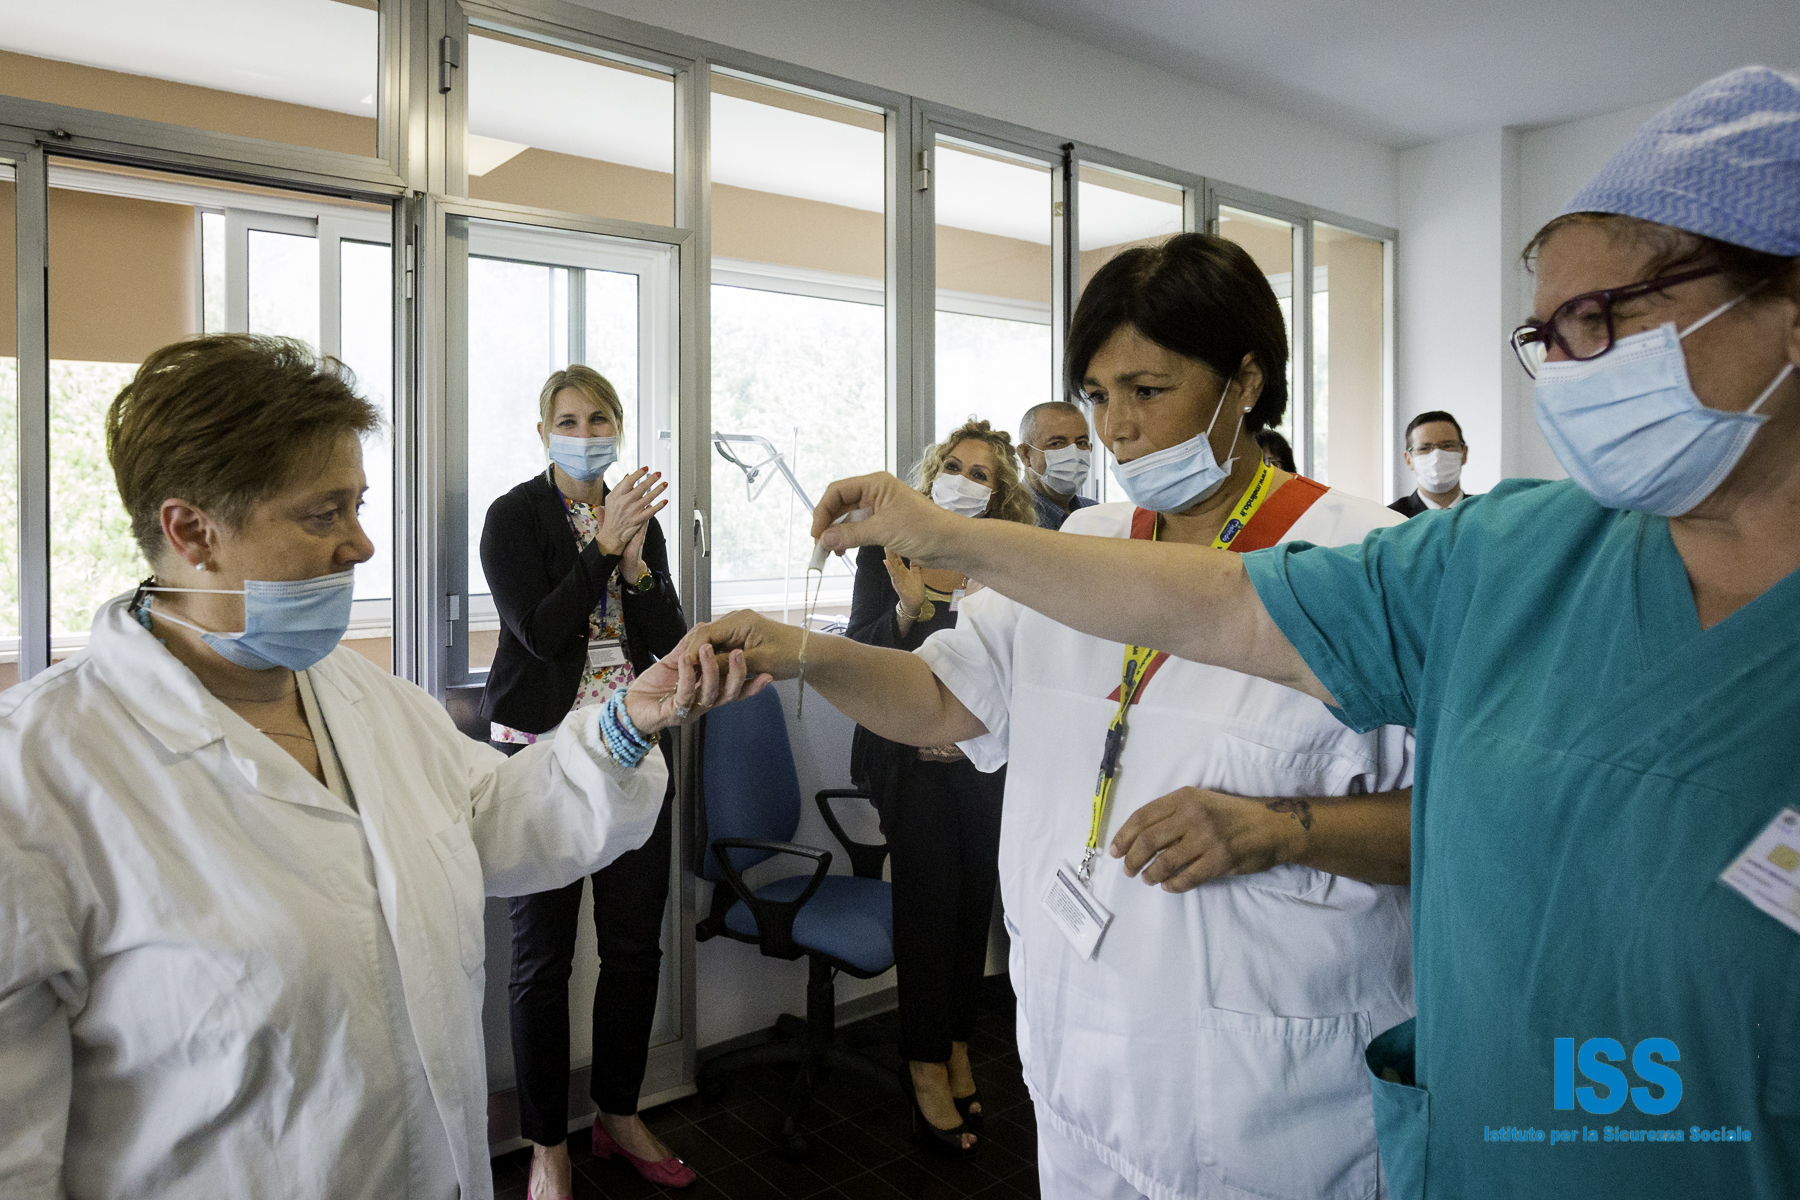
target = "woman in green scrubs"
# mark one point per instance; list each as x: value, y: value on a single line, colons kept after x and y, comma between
x: 1604, y: 674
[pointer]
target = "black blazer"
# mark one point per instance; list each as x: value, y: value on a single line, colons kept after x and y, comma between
x: 545, y: 591
x: 1408, y: 505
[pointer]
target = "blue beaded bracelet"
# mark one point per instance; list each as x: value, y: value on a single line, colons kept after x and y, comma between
x: 623, y: 741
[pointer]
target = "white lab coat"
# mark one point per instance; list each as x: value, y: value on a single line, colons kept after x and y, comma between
x: 193, y: 995
x: 1213, y: 1047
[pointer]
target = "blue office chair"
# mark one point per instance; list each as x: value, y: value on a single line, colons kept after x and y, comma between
x: 750, y: 803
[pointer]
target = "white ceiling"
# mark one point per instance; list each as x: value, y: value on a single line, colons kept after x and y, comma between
x: 1403, y: 72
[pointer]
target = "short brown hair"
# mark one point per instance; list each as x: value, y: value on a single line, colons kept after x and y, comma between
x: 224, y: 422
x: 590, y: 383
x: 1011, y: 502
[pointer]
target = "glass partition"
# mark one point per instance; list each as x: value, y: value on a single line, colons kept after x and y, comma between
x: 995, y: 271
x: 556, y: 128
x: 1348, y: 438
x: 1120, y: 210
x: 9, y: 436
x: 304, y: 72
x: 1270, y: 241
x: 140, y: 259
x: 539, y: 300
x: 798, y: 332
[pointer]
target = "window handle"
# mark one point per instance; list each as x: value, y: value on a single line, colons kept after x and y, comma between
x: 700, y: 534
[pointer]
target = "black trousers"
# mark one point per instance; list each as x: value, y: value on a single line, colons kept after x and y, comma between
x: 943, y: 832
x: 629, y: 897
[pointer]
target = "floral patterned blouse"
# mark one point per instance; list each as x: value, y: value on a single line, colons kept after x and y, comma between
x: 606, y: 622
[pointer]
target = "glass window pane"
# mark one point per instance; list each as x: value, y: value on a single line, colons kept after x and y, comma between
x: 9, y: 438
x: 127, y: 276
x: 798, y: 332
x: 539, y: 300
x: 284, y: 285
x: 1270, y: 242
x: 994, y: 277
x: 554, y: 128
x: 1348, y: 365
x: 304, y: 72
x: 1119, y: 210
x: 366, y: 346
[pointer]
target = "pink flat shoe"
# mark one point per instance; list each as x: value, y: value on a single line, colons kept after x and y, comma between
x: 670, y: 1172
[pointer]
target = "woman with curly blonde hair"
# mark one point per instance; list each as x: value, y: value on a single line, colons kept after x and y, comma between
x: 941, y: 816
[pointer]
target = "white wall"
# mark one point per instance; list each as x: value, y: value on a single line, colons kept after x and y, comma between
x: 972, y: 58
x: 1452, y: 282
x: 1467, y: 207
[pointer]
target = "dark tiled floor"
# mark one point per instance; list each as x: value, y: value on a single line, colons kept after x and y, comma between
x: 862, y: 1148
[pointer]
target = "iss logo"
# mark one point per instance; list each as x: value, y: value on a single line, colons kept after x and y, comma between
x: 1595, y: 1059
x: 1230, y: 531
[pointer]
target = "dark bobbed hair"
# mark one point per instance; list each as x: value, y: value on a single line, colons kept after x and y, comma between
x: 1198, y: 295
x: 1425, y: 418
x: 1273, y: 443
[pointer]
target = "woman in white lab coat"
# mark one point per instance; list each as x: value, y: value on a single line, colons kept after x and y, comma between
x: 1211, y: 1043
x: 242, y: 868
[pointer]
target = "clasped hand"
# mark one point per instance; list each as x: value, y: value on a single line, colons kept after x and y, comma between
x: 1194, y: 834
x: 680, y: 687
x: 629, y: 508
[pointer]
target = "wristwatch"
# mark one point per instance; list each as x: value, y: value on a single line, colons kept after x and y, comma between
x: 926, y: 611
x: 644, y: 582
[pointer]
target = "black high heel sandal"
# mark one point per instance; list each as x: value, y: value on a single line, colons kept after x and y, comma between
x: 946, y: 1142
x: 964, y: 1104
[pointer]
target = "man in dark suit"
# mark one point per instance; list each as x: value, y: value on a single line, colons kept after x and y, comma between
x: 1435, y: 454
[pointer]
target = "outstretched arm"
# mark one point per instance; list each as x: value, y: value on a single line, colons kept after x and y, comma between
x: 888, y: 692
x: 1192, y: 602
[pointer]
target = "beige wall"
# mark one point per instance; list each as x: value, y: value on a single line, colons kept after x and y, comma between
x: 183, y: 104
x: 568, y: 183
x: 1272, y: 246
x: 1354, y: 340
x: 122, y: 276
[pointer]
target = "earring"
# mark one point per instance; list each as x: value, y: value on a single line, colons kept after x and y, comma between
x: 201, y: 567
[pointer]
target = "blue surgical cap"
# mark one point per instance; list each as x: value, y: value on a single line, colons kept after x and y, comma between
x: 1723, y: 161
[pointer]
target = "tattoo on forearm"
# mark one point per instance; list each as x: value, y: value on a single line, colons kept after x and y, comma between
x: 1300, y: 809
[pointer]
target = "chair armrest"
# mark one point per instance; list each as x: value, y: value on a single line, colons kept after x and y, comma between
x: 774, y: 918
x: 866, y: 858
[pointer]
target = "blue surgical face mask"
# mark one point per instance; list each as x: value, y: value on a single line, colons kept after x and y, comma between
x: 1065, y: 469
x: 1176, y: 479
x: 291, y: 623
x: 960, y: 494
x: 585, y: 459
x: 1630, y: 431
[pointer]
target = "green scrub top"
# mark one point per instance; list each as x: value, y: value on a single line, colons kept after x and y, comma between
x: 1589, y: 762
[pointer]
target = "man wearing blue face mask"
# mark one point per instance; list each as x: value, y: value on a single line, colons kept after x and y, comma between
x: 1057, y: 453
x: 1603, y: 676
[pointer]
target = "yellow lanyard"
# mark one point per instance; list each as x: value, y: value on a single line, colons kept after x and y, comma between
x: 1137, y: 663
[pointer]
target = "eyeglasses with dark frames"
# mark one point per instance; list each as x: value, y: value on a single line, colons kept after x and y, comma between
x: 1582, y: 326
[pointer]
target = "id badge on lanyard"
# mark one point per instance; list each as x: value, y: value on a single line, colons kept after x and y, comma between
x: 1069, y: 900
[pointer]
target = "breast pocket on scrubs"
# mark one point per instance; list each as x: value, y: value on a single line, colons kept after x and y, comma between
x: 1284, y: 1105
x: 462, y: 871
